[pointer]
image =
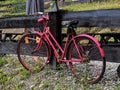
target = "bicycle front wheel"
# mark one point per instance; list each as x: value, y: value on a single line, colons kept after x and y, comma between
x: 33, y: 52
x: 92, y: 61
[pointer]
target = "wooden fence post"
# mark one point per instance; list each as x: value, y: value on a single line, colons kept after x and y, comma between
x: 55, y: 27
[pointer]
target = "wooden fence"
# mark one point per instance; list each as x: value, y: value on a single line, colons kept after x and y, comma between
x: 93, y: 18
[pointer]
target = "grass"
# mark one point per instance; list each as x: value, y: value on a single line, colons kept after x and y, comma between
x: 2, y: 61
x: 109, y: 4
x: 14, y: 10
x: 93, y: 6
x: 14, y: 77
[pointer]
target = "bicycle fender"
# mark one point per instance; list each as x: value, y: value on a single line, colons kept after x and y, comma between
x: 93, y: 39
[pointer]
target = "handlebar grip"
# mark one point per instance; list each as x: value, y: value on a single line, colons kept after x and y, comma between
x: 40, y: 20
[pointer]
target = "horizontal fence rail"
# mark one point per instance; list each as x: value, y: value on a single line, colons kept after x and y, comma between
x: 20, y: 21
x: 95, y: 18
x: 105, y: 39
x: 91, y: 18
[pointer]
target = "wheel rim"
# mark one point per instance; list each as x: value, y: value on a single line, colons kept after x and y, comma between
x: 92, y: 67
x: 29, y: 56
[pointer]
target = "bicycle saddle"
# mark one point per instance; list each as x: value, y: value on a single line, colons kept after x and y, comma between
x: 73, y: 23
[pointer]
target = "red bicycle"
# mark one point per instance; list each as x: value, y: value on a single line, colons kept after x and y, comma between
x: 82, y: 53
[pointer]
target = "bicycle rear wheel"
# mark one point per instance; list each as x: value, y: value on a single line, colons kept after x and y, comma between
x: 92, y: 65
x: 33, y: 52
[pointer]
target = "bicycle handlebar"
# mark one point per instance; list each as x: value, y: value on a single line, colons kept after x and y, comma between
x: 44, y: 18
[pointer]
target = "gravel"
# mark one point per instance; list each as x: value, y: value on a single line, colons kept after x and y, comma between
x: 63, y: 79
x: 110, y: 79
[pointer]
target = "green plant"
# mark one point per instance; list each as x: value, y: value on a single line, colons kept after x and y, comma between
x: 19, y: 86
x: 4, y: 78
x: 14, y: 10
x: 92, y: 6
x: 43, y: 85
x: 24, y: 73
x: 118, y: 86
x: 2, y: 61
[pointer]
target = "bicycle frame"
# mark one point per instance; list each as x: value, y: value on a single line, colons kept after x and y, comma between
x: 60, y: 58
x: 49, y: 38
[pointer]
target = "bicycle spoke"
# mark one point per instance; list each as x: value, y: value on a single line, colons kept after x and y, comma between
x: 78, y: 50
x: 33, y: 54
x: 89, y: 69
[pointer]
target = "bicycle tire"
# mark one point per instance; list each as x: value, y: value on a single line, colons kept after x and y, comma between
x: 30, y: 54
x: 91, y: 69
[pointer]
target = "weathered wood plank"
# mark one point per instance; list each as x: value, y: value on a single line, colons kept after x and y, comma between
x: 20, y: 21
x: 8, y: 47
x: 112, y: 54
x: 91, y: 18
x: 95, y: 18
